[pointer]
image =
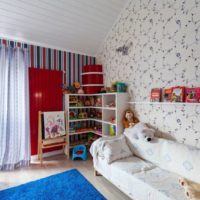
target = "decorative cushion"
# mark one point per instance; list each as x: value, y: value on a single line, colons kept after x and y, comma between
x: 170, y: 155
x: 116, y: 149
x: 181, y: 159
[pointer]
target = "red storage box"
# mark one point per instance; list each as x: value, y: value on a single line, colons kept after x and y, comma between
x: 92, y: 79
x: 92, y: 68
x: 92, y: 89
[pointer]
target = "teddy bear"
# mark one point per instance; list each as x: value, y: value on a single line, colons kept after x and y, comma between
x: 141, y: 132
x: 129, y: 120
x: 192, y: 190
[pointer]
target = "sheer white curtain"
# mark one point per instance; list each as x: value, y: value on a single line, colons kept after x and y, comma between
x: 14, y: 108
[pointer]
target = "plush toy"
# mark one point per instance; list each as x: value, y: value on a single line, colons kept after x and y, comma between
x: 141, y: 132
x: 192, y: 190
x: 80, y: 90
x: 129, y: 120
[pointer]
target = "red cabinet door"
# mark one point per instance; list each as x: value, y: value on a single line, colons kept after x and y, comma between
x: 45, y: 87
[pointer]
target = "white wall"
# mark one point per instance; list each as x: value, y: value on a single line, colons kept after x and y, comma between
x: 165, y: 52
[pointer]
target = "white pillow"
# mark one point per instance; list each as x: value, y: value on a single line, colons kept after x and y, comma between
x: 116, y: 149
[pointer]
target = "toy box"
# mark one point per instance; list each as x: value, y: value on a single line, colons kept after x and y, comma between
x: 156, y: 95
x: 178, y: 94
x: 167, y: 94
x: 192, y: 95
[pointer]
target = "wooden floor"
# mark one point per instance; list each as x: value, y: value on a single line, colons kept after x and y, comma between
x: 56, y: 164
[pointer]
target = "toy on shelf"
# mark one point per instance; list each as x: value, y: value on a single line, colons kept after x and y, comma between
x: 65, y: 89
x: 72, y: 115
x: 98, y: 115
x: 77, y: 85
x: 112, y: 130
x: 92, y: 101
x: 103, y: 90
x: 80, y: 91
x: 79, y: 103
x: 113, y: 120
x: 98, y: 102
x: 72, y: 89
x: 178, y: 94
x: 78, y: 125
x: 91, y: 139
x: 121, y: 87
x: 82, y: 115
x: 73, y: 99
x: 111, y: 104
x: 92, y: 113
x: 79, y: 151
x: 98, y: 129
x: 129, y: 119
x: 156, y: 95
x: 192, y: 95
x: 87, y: 102
x: 113, y: 87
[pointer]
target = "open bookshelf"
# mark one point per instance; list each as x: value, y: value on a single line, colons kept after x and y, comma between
x: 90, y: 116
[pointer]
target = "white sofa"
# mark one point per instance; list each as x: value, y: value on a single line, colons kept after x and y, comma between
x: 153, y: 171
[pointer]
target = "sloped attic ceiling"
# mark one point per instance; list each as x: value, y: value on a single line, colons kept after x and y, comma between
x: 73, y: 25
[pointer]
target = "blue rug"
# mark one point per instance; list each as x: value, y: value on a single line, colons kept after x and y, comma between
x: 69, y: 185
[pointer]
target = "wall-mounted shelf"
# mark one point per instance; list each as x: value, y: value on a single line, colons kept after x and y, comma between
x: 164, y: 103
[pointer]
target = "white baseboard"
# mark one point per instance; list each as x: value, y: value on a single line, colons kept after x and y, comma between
x: 47, y: 154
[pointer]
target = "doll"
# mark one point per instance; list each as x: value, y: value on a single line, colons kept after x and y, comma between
x: 129, y: 120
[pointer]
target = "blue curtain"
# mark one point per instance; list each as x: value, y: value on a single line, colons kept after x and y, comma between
x: 14, y: 108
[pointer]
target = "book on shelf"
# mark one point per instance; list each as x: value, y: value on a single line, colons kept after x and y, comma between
x: 156, y: 95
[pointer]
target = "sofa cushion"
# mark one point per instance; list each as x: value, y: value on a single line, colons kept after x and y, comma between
x: 170, y: 155
x: 116, y: 149
x: 131, y: 165
x: 181, y: 159
x: 164, y: 182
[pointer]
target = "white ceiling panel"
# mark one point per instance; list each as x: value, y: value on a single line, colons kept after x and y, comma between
x: 73, y: 25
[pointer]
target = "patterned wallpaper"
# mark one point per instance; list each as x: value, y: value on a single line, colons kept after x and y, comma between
x: 164, y: 50
x: 42, y: 57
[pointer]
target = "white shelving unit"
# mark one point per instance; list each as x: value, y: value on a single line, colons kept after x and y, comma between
x: 107, y: 113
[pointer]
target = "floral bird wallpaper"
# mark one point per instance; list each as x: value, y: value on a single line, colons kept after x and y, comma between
x: 162, y: 43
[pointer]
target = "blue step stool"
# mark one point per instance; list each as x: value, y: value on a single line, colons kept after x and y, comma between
x: 79, y: 151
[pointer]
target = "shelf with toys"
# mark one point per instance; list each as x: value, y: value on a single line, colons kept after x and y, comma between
x: 94, y: 115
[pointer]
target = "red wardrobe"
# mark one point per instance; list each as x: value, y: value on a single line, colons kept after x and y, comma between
x: 45, y: 88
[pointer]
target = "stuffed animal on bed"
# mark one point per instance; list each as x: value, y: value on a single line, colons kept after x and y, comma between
x: 192, y: 190
x: 141, y: 132
x: 129, y: 120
